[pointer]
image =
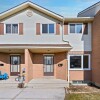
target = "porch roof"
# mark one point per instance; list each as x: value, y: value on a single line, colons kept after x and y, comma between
x: 35, y: 48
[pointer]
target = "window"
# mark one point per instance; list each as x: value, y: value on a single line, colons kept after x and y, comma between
x: 79, y: 61
x: 11, y: 28
x: 44, y: 28
x: 85, y: 61
x: 75, y: 61
x: 75, y: 28
x: 47, y: 28
x: 76, y: 82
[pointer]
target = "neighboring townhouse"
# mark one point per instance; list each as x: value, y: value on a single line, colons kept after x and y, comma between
x: 43, y: 43
x: 94, y: 11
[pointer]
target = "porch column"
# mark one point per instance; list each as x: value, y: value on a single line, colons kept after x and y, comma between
x: 28, y: 65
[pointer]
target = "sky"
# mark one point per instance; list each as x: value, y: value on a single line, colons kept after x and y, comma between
x: 66, y: 8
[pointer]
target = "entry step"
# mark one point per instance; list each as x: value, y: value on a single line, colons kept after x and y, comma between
x: 46, y: 83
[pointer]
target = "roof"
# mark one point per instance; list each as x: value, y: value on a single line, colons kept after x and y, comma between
x: 90, y: 7
x: 79, y: 19
x: 27, y: 4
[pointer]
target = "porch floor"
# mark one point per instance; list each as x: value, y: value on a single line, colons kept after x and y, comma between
x: 46, y: 83
x: 9, y: 82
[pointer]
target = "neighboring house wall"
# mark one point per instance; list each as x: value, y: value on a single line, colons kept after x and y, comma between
x: 90, y: 12
x: 96, y: 50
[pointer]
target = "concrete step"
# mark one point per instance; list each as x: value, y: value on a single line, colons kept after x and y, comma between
x: 47, y: 83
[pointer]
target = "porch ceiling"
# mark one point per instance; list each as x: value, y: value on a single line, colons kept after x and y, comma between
x: 11, y: 50
x: 48, y: 50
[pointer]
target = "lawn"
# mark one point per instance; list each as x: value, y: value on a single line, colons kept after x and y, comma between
x: 83, y: 96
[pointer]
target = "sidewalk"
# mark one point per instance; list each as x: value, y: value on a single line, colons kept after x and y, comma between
x: 32, y: 94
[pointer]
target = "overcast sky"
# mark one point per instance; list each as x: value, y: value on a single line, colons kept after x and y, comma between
x: 67, y: 8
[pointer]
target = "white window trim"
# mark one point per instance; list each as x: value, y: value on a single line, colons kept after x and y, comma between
x: 75, y: 28
x: 11, y: 29
x: 81, y: 63
x: 48, y: 29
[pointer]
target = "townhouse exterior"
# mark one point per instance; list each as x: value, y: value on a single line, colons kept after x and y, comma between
x: 43, y: 43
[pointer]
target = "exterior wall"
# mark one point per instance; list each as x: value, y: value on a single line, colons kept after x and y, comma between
x: 84, y: 75
x: 37, y: 65
x: 28, y: 65
x: 5, y: 59
x: 80, y: 75
x: 80, y: 42
x: 29, y: 29
x: 91, y: 12
x: 96, y: 50
x: 60, y: 72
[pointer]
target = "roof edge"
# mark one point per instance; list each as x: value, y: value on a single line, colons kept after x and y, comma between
x: 88, y: 8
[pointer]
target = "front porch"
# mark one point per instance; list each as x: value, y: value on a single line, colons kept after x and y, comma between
x: 37, y: 62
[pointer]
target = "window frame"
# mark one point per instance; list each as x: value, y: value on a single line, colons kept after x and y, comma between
x: 48, y: 29
x: 11, y: 29
x: 89, y: 58
x: 75, y: 28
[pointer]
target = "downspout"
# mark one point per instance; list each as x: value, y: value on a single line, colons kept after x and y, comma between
x: 66, y: 42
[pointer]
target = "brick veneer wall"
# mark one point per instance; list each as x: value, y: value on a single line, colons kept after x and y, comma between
x: 60, y: 72
x: 28, y: 65
x: 5, y: 59
x: 80, y: 75
x: 96, y: 49
x: 37, y: 66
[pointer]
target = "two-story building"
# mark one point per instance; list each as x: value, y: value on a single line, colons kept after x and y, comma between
x: 43, y: 43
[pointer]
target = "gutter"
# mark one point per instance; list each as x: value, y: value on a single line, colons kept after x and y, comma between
x: 63, y: 31
x: 66, y: 42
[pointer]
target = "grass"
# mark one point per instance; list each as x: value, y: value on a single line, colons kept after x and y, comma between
x: 83, y: 96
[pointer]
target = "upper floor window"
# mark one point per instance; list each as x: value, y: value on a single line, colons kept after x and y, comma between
x: 11, y: 28
x: 75, y: 28
x: 48, y: 29
x: 79, y: 61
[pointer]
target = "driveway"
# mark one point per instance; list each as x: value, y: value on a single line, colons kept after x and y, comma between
x: 32, y: 94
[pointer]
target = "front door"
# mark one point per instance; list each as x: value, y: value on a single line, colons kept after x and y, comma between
x: 48, y: 65
x: 14, y: 65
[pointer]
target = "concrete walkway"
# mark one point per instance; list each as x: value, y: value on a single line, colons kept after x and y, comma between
x: 32, y: 94
x: 36, y: 89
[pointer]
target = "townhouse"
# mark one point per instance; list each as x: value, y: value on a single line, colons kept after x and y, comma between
x: 43, y: 43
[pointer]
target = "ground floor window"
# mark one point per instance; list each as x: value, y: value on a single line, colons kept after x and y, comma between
x: 79, y: 61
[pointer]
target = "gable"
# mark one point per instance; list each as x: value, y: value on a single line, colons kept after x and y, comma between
x: 26, y: 5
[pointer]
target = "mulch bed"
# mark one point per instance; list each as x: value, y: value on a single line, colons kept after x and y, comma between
x: 83, y: 89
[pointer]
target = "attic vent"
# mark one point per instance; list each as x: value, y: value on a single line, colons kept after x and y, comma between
x: 29, y: 13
